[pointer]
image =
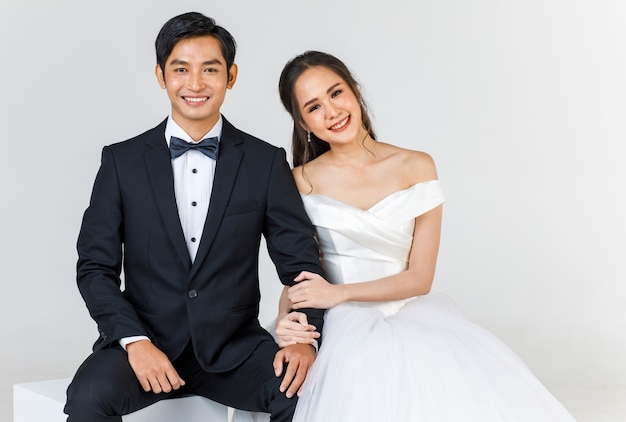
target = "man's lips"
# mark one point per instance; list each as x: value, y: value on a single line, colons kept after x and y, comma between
x: 195, y: 99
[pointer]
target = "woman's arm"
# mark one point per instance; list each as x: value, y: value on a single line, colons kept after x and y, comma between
x: 312, y: 291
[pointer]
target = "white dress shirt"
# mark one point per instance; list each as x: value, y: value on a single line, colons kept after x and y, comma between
x: 193, y: 184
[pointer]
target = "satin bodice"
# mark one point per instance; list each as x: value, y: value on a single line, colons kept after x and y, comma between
x: 361, y: 245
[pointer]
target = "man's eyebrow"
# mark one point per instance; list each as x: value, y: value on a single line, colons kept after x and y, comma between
x: 186, y: 63
x: 327, y: 91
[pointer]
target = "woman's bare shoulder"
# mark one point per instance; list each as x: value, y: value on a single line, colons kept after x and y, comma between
x: 305, y: 174
x: 302, y: 175
x: 416, y: 166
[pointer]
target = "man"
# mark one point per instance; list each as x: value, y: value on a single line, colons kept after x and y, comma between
x: 185, y: 224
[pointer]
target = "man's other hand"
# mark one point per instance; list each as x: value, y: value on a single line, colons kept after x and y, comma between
x: 152, y: 367
x: 298, y: 358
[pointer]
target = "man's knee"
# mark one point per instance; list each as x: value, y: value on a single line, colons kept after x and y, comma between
x: 102, y: 387
x: 90, y: 398
x: 282, y: 408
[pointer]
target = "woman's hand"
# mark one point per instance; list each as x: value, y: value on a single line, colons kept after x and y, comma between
x: 313, y: 291
x: 294, y: 328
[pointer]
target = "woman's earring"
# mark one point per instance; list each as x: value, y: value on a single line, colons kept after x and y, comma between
x: 308, y: 136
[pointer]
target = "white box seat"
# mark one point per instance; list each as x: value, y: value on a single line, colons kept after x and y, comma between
x: 43, y: 401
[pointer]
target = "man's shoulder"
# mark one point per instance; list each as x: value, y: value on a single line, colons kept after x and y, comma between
x: 245, y: 139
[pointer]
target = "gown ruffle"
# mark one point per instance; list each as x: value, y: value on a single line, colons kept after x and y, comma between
x: 417, y: 359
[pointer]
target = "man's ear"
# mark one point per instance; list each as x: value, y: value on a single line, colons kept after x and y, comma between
x: 159, y: 75
x: 232, y: 75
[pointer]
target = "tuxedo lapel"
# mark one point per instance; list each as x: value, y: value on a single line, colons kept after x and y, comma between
x: 159, y: 165
x: 226, y: 169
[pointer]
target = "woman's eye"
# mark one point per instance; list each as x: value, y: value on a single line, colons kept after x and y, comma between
x: 313, y: 108
x: 336, y: 93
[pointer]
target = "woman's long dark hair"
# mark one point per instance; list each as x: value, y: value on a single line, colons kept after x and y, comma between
x: 302, y: 150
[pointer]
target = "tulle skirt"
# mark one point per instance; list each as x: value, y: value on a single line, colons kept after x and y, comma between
x: 425, y: 362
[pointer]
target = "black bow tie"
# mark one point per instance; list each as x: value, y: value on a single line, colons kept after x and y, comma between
x: 208, y: 146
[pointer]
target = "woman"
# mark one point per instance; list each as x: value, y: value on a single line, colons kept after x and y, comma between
x: 391, y: 351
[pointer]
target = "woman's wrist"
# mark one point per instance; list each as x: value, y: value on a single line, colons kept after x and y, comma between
x: 343, y: 293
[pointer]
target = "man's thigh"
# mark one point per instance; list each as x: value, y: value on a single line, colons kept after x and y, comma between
x: 252, y: 386
x: 105, y: 387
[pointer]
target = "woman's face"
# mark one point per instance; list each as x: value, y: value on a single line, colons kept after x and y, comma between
x: 328, y: 107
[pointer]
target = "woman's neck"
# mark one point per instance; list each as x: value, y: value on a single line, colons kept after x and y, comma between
x: 360, y: 151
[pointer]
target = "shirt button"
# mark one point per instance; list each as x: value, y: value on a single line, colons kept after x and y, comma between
x: 194, y: 203
x: 194, y: 170
x: 192, y: 294
x: 193, y: 239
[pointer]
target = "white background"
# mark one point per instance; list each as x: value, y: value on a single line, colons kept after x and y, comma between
x: 521, y: 103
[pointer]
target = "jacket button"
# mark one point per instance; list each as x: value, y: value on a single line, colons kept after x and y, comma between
x: 192, y: 294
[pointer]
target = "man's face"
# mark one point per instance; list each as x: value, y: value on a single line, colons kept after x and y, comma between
x: 196, y: 80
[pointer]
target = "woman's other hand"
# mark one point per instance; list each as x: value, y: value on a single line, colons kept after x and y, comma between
x: 294, y: 328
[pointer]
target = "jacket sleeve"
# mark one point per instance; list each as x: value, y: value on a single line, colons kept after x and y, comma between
x: 289, y: 232
x: 100, y: 246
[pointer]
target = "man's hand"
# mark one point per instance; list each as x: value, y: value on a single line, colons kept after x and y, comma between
x: 152, y: 367
x: 299, y: 358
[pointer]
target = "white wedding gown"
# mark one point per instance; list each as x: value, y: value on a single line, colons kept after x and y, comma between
x: 418, y: 359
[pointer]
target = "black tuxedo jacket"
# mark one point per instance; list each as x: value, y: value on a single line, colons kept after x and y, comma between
x: 132, y: 224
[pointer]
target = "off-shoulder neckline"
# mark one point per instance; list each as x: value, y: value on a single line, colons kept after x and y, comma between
x: 382, y: 200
